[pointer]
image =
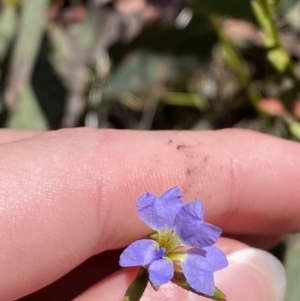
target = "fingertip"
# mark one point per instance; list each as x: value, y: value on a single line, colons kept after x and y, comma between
x: 252, y: 274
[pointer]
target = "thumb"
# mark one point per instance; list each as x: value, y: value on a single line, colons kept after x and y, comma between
x: 252, y: 274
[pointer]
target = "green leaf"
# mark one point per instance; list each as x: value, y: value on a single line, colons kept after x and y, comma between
x: 265, y: 21
x: 137, y: 287
x: 279, y: 59
x: 294, y: 127
x: 32, y: 24
x: 185, y: 99
x: 28, y: 114
x: 181, y: 281
x: 230, y: 53
x: 8, y: 22
x: 292, y: 265
x: 12, y: 3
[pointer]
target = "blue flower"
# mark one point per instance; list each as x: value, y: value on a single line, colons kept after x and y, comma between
x: 182, y: 237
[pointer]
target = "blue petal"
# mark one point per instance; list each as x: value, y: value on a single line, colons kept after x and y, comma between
x: 216, y: 259
x: 161, y: 271
x: 202, y: 282
x: 191, y: 228
x: 208, y: 259
x: 198, y: 267
x: 159, y: 212
x: 141, y: 252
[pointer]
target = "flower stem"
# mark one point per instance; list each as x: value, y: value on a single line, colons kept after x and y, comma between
x: 137, y: 287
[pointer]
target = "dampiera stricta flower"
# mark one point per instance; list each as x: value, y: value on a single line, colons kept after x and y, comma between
x: 183, y: 237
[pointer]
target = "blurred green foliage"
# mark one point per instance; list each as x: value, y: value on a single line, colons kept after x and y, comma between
x: 108, y: 66
x: 158, y: 65
x: 292, y: 263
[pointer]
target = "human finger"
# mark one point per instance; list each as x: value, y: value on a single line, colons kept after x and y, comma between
x: 7, y: 135
x: 69, y: 194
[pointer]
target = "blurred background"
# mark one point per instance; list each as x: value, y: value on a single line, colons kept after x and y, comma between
x: 150, y: 64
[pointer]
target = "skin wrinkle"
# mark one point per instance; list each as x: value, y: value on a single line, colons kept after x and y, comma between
x: 98, y: 195
x: 234, y: 189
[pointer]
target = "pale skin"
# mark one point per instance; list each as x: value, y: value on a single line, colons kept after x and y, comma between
x: 68, y: 195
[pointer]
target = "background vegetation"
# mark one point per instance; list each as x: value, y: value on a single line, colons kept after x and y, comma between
x: 150, y: 64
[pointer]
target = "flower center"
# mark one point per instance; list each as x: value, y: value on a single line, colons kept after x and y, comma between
x: 161, y: 252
